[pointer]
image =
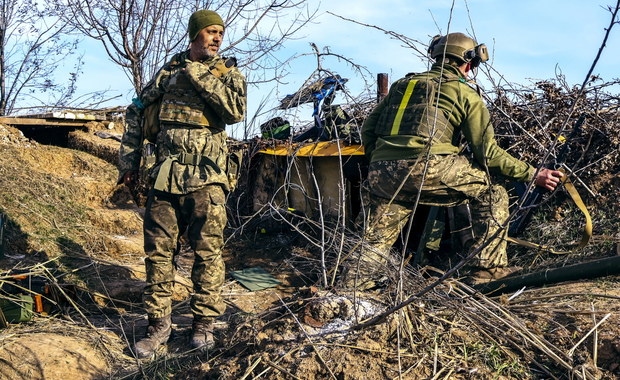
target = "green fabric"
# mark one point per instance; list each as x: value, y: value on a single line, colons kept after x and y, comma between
x: 433, y: 240
x: 416, y: 112
x: 182, y: 103
x: 467, y: 115
x: 200, y: 20
x: 255, y: 278
x: 337, y: 121
x: 281, y: 132
x: 17, y: 310
x: 401, y: 108
x: 442, y: 181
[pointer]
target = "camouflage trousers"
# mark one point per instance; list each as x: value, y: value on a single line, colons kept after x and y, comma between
x: 450, y: 180
x: 202, y: 214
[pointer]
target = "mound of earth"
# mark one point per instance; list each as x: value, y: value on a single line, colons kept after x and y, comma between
x: 51, y: 356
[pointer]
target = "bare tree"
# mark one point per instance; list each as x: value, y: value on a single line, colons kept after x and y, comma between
x: 139, y: 35
x: 32, y: 45
x: 136, y: 35
x: 258, y: 29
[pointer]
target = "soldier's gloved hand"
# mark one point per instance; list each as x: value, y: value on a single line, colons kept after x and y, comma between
x: 130, y: 177
x: 548, y: 178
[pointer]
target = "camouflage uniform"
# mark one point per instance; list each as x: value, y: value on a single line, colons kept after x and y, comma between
x: 189, y: 179
x: 424, y: 116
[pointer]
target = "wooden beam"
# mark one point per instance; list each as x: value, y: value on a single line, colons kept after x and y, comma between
x: 63, y: 115
x: 22, y: 121
x: 382, y: 86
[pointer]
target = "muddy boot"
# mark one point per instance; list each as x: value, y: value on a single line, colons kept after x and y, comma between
x: 364, y: 280
x: 202, y: 334
x: 157, y: 334
x: 482, y: 276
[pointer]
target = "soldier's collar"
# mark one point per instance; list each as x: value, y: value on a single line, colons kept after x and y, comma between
x: 448, y: 70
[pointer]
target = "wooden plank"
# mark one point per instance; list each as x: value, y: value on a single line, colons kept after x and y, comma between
x: 71, y: 115
x: 42, y: 122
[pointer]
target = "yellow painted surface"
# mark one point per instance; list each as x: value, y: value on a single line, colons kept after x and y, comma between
x: 319, y: 149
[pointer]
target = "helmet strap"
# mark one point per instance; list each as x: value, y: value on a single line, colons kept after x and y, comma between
x: 474, y: 74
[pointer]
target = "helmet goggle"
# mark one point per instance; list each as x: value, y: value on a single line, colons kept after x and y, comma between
x: 477, y: 55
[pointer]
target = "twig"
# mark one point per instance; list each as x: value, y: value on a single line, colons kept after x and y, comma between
x: 499, y: 316
x: 571, y: 352
x: 595, y: 342
x: 411, y: 368
x: 369, y: 349
x: 409, y: 42
x: 278, y: 360
x: 559, y: 295
x: 249, y: 370
x: 281, y: 369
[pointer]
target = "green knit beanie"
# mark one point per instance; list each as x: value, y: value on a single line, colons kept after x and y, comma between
x: 200, y: 20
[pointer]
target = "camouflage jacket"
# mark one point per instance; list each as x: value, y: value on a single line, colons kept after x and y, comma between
x: 386, y: 134
x: 195, y: 104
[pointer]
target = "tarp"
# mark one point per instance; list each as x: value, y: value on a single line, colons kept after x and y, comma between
x: 319, y: 149
x: 255, y: 278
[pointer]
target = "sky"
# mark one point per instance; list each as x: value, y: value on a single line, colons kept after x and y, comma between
x: 528, y: 40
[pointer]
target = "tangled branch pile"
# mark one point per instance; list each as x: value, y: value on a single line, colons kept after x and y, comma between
x: 529, y: 121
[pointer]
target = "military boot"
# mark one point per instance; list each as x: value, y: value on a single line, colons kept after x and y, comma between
x: 202, y: 334
x: 157, y: 334
x: 364, y: 279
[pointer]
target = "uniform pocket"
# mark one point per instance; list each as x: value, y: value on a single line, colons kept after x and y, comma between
x: 462, y: 175
x: 217, y: 195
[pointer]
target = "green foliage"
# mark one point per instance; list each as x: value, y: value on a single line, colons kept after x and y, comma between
x: 495, y: 359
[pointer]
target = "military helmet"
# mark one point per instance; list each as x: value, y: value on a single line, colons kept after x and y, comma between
x: 458, y: 46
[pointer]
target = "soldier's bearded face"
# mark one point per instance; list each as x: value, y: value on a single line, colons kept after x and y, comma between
x: 207, y: 42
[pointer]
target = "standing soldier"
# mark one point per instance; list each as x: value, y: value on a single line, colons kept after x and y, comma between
x: 413, y: 141
x: 184, y: 111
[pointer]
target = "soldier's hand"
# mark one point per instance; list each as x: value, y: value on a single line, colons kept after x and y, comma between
x: 548, y: 179
x: 129, y: 178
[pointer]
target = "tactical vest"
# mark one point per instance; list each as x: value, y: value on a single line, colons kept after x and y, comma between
x: 413, y: 111
x: 150, y: 122
x: 181, y: 103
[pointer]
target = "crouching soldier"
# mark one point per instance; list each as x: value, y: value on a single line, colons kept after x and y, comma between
x: 413, y: 142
